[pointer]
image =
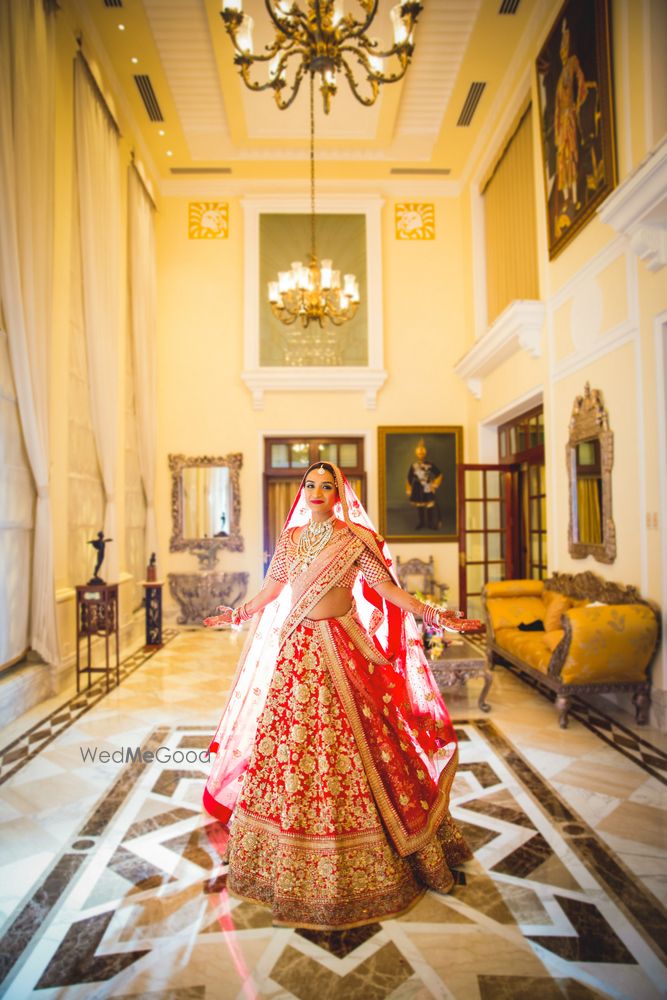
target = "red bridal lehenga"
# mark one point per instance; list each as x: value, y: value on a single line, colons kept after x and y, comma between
x: 335, y: 753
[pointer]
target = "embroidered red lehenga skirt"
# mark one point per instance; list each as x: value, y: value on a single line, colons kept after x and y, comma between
x: 307, y: 838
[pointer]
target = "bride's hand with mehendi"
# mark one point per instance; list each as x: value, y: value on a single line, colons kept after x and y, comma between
x: 224, y: 619
x: 453, y: 621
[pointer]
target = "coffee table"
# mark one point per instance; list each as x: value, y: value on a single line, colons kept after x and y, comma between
x: 459, y: 661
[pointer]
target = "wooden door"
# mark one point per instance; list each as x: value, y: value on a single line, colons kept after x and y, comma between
x: 488, y: 530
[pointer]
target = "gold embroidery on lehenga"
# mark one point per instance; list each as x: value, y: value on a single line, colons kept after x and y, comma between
x: 309, y: 834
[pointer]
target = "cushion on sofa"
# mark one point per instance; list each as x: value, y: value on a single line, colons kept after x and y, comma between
x: 509, y: 612
x: 611, y: 643
x: 514, y: 588
x: 553, y: 637
x: 556, y: 605
x: 531, y: 647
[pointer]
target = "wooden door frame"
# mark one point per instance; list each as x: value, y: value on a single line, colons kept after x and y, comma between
x: 512, y: 539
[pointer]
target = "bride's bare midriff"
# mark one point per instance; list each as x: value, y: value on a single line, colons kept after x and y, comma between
x: 334, y: 604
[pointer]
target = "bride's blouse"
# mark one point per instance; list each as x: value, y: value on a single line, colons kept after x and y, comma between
x: 286, y: 566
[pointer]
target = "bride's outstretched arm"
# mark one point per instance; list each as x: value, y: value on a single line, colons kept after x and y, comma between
x: 430, y: 614
x: 401, y: 598
x: 268, y: 593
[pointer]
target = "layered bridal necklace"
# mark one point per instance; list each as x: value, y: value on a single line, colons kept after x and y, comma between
x: 312, y: 540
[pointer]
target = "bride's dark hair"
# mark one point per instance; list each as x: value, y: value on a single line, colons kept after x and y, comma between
x: 321, y: 465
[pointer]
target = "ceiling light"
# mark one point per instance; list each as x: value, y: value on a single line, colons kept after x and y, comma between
x: 169, y: 153
x: 161, y: 131
x: 314, y: 291
x: 121, y: 27
x: 134, y: 60
x: 316, y: 36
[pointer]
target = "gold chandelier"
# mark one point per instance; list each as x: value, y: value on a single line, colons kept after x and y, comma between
x: 322, y: 39
x: 313, y: 291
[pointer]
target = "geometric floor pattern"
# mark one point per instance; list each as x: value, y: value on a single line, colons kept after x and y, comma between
x: 16, y: 754
x: 112, y: 884
x: 628, y: 743
x: 136, y: 906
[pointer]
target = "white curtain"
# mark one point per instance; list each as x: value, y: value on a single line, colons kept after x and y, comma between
x: 27, y: 86
x: 17, y: 504
x: 143, y: 310
x: 98, y: 183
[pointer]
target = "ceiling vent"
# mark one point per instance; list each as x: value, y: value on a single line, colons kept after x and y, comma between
x: 509, y: 6
x: 193, y: 171
x: 145, y: 87
x: 113, y: 3
x: 421, y: 171
x: 470, y: 103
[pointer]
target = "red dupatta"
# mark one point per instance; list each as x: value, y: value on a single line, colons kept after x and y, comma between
x: 409, y: 684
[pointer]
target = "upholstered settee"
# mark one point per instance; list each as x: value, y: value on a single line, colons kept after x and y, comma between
x: 597, y: 636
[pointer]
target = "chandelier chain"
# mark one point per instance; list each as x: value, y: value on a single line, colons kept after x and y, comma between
x: 312, y: 165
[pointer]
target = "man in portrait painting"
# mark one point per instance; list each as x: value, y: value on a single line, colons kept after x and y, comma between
x: 423, y: 480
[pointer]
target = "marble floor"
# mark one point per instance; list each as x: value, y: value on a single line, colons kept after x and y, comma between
x: 111, y: 882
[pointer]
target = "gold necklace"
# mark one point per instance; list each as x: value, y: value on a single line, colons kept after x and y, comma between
x: 312, y: 540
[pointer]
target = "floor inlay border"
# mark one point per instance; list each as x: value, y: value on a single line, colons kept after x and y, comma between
x: 16, y: 754
x: 628, y: 893
x: 624, y: 740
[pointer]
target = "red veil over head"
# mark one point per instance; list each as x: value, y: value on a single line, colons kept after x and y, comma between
x: 395, y: 634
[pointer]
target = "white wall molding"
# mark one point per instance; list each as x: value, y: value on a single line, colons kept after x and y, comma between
x: 334, y: 379
x: 368, y: 379
x: 519, y: 327
x: 637, y: 209
x: 623, y: 333
x: 488, y: 427
x: 605, y: 341
x: 588, y: 272
x: 408, y: 186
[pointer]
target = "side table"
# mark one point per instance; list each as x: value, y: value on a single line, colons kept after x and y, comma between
x: 459, y: 661
x: 96, y: 615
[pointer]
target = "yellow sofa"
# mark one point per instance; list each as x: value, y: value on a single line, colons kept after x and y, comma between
x: 598, y: 636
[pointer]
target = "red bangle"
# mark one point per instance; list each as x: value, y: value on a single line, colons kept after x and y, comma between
x: 430, y: 615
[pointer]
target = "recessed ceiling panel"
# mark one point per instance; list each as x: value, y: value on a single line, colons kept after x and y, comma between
x: 181, y: 34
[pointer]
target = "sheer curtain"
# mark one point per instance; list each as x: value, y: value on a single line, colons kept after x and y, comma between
x: 27, y: 85
x: 17, y: 503
x: 510, y: 222
x: 98, y: 183
x: 143, y: 309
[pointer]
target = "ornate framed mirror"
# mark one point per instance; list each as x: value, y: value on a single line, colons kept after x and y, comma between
x: 205, y: 505
x: 590, y: 457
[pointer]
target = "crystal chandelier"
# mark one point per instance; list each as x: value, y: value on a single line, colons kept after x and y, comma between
x: 313, y: 291
x: 322, y: 39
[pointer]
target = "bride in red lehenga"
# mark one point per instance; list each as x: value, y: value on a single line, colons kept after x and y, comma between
x: 335, y: 755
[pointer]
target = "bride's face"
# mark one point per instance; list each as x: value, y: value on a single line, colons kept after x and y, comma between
x: 320, y: 492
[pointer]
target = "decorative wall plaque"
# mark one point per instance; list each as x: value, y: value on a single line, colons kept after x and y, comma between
x: 415, y: 221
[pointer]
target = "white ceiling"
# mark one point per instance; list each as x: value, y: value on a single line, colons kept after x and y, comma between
x: 181, y: 31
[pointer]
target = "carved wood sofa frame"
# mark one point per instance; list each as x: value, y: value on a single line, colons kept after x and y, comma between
x: 580, y: 586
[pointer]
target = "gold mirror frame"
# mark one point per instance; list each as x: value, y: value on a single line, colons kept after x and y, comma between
x: 205, y: 549
x: 590, y: 422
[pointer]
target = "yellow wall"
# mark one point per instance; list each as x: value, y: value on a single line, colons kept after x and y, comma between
x: 601, y: 303
x: 429, y: 289
x: 205, y: 409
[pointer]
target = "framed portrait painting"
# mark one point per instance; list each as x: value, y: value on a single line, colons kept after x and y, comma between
x: 418, y: 483
x: 576, y: 118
